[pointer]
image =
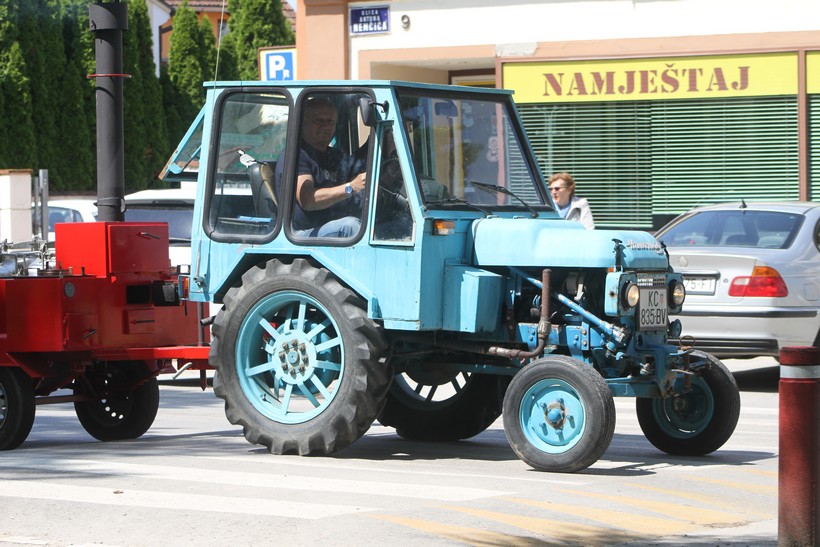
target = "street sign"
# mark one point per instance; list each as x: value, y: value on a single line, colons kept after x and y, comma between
x: 370, y: 20
x: 277, y: 64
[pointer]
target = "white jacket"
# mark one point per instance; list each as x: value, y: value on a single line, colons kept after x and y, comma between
x: 579, y: 211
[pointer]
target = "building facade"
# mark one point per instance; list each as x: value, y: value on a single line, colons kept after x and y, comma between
x: 655, y: 106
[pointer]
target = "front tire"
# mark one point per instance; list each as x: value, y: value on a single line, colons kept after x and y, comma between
x: 16, y: 407
x: 695, y: 422
x: 559, y: 415
x: 118, y: 410
x: 298, y: 360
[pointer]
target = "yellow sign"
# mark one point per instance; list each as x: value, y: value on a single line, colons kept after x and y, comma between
x: 653, y: 79
x: 813, y: 72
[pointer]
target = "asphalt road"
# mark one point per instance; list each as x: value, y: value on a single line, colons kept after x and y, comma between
x: 194, y: 480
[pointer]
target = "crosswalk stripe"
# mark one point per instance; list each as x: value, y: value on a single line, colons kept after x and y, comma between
x: 23, y: 540
x: 350, y: 465
x: 612, y: 517
x: 696, y: 515
x: 176, y: 501
x: 260, y: 480
x: 462, y: 534
x: 770, y: 474
x: 558, y: 531
x: 705, y: 499
x: 744, y: 486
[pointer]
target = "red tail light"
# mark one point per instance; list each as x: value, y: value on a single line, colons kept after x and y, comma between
x: 764, y: 281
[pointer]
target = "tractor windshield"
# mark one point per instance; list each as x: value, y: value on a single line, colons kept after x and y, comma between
x: 470, y: 151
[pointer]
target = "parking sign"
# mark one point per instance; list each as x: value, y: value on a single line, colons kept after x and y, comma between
x: 277, y: 64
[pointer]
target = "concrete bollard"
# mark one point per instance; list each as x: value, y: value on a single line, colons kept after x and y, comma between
x: 799, y: 446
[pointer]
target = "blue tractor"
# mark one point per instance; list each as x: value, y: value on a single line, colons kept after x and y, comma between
x: 454, y: 294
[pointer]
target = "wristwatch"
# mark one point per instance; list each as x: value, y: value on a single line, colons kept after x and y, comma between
x: 348, y: 189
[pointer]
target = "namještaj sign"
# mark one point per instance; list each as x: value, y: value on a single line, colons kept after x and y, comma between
x: 652, y: 79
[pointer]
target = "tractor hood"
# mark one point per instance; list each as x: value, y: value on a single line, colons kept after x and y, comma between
x: 544, y: 242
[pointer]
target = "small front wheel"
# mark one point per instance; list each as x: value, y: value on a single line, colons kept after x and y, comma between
x: 696, y: 421
x: 16, y: 407
x: 559, y: 415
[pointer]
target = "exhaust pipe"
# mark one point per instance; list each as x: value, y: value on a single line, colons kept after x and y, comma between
x: 108, y: 21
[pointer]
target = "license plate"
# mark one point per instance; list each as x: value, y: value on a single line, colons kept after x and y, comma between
x: 699, y: 285
x: 652, y: 309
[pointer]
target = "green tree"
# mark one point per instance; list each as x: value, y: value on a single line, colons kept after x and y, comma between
x: 8, y: 34
x: 75, y: 162
x: 9, y: 15
x: 40, y: 39
x: 20, y: 150
x: 146, y: 139
x: 254, y: 24
x: 189, y: 64
x: 174, y: 124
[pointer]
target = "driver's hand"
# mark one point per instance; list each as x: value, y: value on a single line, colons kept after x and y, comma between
x: 358, y: 182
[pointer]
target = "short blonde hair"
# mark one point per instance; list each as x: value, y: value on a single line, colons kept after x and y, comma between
x: 565, y: 177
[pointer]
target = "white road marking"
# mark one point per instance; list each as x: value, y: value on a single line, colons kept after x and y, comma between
x: 168, y: 500
x: 352, y: 466
x: 266, y: 479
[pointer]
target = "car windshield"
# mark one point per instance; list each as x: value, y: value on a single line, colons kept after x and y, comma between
x: 467, y: 151
x: 57, y: 214
x: 737, y: 228
x: 179, y: 218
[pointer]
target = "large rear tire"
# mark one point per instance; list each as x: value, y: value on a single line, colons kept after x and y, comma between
x: 418, y: 410
x: 119, y: 409
x: 298, y: 360
x: 559, y: 415
x: 694, y: 422
x: 16, y: 407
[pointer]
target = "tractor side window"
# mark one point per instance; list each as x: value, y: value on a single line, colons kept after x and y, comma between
x: 393, y: 219
x: 252, y: 134
x: 331, y: 170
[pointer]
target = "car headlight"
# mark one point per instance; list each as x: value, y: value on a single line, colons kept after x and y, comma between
x: 677, y: 294
x: 630, y: 296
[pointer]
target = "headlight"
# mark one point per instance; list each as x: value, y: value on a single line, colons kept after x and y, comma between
x: 631, y: 295
x: 677, y: 294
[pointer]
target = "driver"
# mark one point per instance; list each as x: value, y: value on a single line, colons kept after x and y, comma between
x: 330, y: 182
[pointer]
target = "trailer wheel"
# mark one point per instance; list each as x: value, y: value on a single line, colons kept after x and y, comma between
x: 298, y: 360
x: 443, y: 406
x: 695, y: 422
x: 117, y: 410
x: 16, y: 407
x: 559, y: 415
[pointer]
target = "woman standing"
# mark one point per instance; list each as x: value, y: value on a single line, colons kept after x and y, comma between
x: 570, y: 206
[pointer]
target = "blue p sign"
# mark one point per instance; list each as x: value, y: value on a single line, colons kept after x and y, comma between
x: 278, y: 64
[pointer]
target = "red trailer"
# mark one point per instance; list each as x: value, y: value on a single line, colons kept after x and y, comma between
x: 94, y: 323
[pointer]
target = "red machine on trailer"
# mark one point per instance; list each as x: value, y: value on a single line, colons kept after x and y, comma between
x: 101, y: 318
x: 102, y: 315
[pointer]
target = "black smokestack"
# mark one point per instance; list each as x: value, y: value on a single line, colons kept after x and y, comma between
x: 108, y: 21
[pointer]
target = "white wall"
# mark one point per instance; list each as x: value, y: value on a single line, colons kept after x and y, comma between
x: 515, y: 25
x: 158, y: 13
x: 15, y: 205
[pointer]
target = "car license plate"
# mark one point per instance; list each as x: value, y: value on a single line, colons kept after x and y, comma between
x: 652, y: 309
x: 699, y: 285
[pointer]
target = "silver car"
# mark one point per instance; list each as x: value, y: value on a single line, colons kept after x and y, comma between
x: 752, y: 276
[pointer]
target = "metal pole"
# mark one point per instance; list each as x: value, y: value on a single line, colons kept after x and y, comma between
x: 43, y: 193
x: 108, y: 21
x: 799, y: 447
